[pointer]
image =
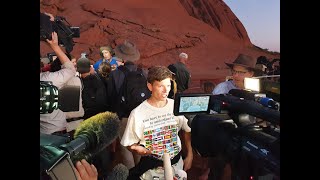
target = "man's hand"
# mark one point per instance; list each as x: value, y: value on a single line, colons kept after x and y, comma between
x: 140, y: 150
x: 85, y: 171
x: 187, y: 162
x: 54, y: 41
x: 50, y: 15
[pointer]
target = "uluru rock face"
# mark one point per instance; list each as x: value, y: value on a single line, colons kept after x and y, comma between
x: 161, y: 30
x: 218, y: 15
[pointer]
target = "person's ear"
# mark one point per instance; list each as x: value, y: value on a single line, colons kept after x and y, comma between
x: 149, y: 85
x: 251, y: 73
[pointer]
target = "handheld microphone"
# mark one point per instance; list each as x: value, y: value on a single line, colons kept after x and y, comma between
x: 119, y: 172
x: 168, y: 174
x: 94, y: 134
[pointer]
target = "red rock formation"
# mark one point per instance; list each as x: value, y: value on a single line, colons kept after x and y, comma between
x: 161, y: 30
x: 218, y: 15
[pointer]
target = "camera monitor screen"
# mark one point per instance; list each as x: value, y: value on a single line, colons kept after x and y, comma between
x: 191, y: 104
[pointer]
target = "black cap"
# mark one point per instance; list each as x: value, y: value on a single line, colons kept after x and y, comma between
x: 83, y: 65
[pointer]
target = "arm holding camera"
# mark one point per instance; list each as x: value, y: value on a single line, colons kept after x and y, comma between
x: 50, y: 15
x: 60, y: 77
x: 56, y: 48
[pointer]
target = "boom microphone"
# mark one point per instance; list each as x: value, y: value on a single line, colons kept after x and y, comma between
x: 119, y: 172
x: 94, y: 134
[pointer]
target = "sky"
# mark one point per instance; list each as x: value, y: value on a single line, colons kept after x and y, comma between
x: 261, y: 19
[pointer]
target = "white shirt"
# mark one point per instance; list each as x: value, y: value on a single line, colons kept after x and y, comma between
x: 56, y: 121
x: 155, y: 128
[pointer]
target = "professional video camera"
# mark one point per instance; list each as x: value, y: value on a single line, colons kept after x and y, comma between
x: 229, y: 126
x: 59, y: 153
x: 66, y: 98
x: 65, y: 32
x: 271, y: 68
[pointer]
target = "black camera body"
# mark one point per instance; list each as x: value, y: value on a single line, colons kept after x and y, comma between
x: 51, y: 56
x: 65, y: 32
x: 51, y: 98
x: 218, y: 131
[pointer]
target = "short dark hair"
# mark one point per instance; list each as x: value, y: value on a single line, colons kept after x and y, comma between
x: 104, y: 69
x: 158, y: 73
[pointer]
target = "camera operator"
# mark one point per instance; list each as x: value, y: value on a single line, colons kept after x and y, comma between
x: 242, y: 67
x: 55, y: 122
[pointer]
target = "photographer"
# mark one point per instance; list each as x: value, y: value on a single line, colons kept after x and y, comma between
x: 55, y: 122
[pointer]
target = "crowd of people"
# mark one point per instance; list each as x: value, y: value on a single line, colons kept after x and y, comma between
x: 148, y: 130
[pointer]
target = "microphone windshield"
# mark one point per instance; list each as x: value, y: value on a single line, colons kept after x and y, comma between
x: 104, y: 126
x: 119, y: 172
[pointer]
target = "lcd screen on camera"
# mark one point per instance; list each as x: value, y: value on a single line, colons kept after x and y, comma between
x: 194, y: 104
x: 191, y: 104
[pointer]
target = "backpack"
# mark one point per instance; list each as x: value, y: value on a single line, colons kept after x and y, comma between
x: 134, y: 91
x: 101, y: 92
x: 94, y: 96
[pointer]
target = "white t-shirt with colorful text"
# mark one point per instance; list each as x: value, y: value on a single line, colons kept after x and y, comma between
x: 155, y: 128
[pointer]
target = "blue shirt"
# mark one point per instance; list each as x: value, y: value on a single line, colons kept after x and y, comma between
x: 113, y: 64
x: 224, y: 87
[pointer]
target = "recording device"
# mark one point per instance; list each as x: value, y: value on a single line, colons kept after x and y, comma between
x: 262, y: 90
x: 186, y: 104
x: 84, y: 55
x: 58, y: 154
x: 258, y: 97
x: 168, y: 174
x: 66, y: 98
x: 61, y: 26
x: 264, y: 85
x: 269, y: 65
x: 48, y: 97
x: 52, y: 56
x: 217, y: 131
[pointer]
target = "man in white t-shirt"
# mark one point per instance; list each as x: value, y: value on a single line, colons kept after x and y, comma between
x: 152, y: 130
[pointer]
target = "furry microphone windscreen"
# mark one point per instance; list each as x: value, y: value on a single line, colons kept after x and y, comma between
x: 119, y: 172
x: 105, y: 126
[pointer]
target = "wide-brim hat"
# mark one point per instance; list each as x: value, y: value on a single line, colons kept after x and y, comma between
x: 83, y: 65
x: 127, y: 51
x: 244, y: 61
